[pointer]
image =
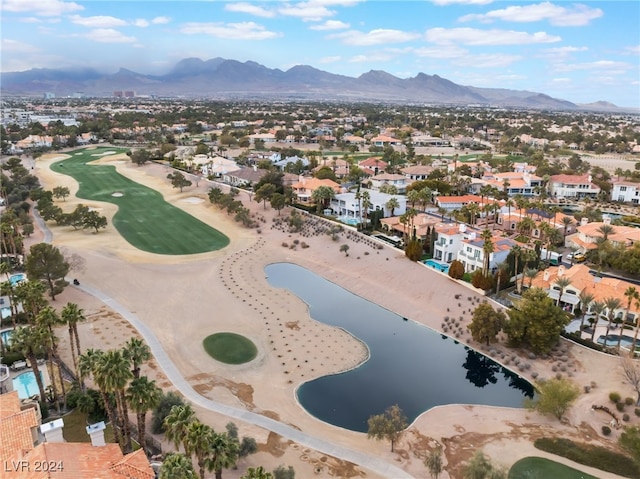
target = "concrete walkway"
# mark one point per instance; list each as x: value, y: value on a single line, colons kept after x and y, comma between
x: 363, y: 460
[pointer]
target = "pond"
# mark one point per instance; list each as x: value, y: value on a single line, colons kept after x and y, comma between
x: 409, y: 364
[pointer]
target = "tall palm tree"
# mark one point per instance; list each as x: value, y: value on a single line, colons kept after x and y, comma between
x: 136, y: 351
x: 509, y: 204
x: 487, y: 249
x: 176, y: 466
x: 530, y: 274
x: 566, y: 222
x: 630, y: 293
x: 611, y: 304
x: 516, y: 251
x: 562, y: 282
x: 48, y: 318
x: 71, y: 315
x: 586, y: 299
x: 198, y: 440
x: 366, y: 204
x: 29, y: 340
x: 257, y: 473
x: 635, y: 336
x: 598, y: 308
x: 224, y: 453
x: 31, y: 295
x: 605, y: 231
x: 392, y: 204
x: 528, y: 256
x: 176, y: 423
x: 142, y: 396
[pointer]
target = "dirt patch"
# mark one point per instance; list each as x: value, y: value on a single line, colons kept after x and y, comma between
x: 274, y: 445
x: 293, y: 325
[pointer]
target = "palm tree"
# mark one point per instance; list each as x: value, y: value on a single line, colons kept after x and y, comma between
x: 630, y: 293
x: 611, y: 304
x: 392, y: 204
x: 635, y: 336
x: 566, y: 222
x: 528, y: 255
x: 71, y: 315
x: 516, y: 251
x: 112, y: 374
x: 136, y: 351
x: 586, y: 299
x: 142, y: 396
x: 176, y: 423
x: 366, y: 204
x: 605, y: 231
x: 48, y: 318
x: 442, y: 212
x: 598, y: 308
x: 413, y: 197
x: 31, y: 295
x: 321, y: 196
x: 473, y: 210
x: 224, y: 453
x: 198, y: 441
x: 562, y: 282
x: 530, y: 274
x: 176, y: 466
x: 487, y: 249
x: 258, y: 473
x: 29, y: 340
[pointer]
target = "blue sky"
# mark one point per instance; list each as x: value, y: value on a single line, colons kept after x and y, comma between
x: 579, y: 51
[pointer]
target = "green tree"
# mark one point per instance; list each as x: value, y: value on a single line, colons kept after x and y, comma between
x: 257, y: 473
x: 630, y: 441
x: 561, y: 282
x: 140, y: 157
x: 178, y: 180
x: 224, y: 453
x: 278, y: 201
x: 264, y: 193
x: 486, y: 323
x: 392, y: 204
x: 586, y: 299
x: 143, y: 395
x: 282, y: 472
x: 61, y: 192
x: 344, y: 249
x: 481, y: 467
x: 388, y: 426
x: 632, y: 294
x: 176, y: 466
x: 177, y: 422
x: 487, y: 250
x: 137, y: 352
x: 535, y: 321
x: 612, y: 304
x: 321, y: 197
x: 554, y: 397
x: 167, y: 401
x: 29, y: 341
x: 433, y: 461
x: 93, y: 219
x: 47, y: 264
x: 456, y: 269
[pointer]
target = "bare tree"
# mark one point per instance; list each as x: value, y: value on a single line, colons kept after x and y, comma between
x: 632, y: 373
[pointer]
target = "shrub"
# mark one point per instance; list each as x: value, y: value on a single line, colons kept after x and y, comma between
x: 589, y: 455
x: 481, y: 282
x: 606, y: 430
x: 413, y: 249
x: 456, y: 270
x: 159, y: 413
x: 614, y: 397
x: 625, y: 417
x: 620, y: 406
x: 637, y: 411
x: 629, y: 401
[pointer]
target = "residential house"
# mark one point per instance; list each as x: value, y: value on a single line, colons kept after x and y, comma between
x: 399, y: 181
x: 265, y: 137
x: 218, y: 166
x: 383, y: 140
x: 582, y: 280
x: 339, y: 167
x: 375, y: 164
x: 282, y: 164
x: 428, y: 140
x: 417, y: 172
x: 588, y: 234
x: 346, y: 204
x: 244, y: 176
x: 451, y: 203
x: 626, y: 192
x: 423, y: 224
x: 572, y: 186
x: 448, y: 241
x: 305, y: 186
x: 472, y: 252
x: 25, y: 444
x: 515, y: 183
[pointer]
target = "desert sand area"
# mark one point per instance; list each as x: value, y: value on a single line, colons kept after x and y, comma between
x: 184, y: 299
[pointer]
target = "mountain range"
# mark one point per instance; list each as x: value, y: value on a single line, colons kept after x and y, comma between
x: 220, y: 78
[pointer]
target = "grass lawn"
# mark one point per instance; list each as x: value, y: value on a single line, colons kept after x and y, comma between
x: 144, y: 218
x: 540, y: 468
x: 230, y: 348
x: 74, y: 430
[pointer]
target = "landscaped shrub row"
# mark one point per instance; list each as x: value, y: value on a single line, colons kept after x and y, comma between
x: 584, y: 342
x: 593, y: 456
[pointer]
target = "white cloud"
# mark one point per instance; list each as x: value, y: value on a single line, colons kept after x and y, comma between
x: 15, y: 46
x: 487, y: 60
x: 108, y: 35
x: 560, y: 53
x: 242, y: 7
x: 379, y: 36
x: 43, y: 8
x: 632, y: 50
x: 375, y: 57
x: 332, y: 59
x: 98, y: 21
x: 336, y: 3
x: 160, y: 20
x: 466, y: 2
x: 140, y: 22
x: 230, y: 31
x: 308, y: 11
x: 444, y: 51
x: 330, y: 25
x: 576, y: 15
x: 474, y: 36
x: 608, y: 66
x: 30, y: 20
x: 561, y: 81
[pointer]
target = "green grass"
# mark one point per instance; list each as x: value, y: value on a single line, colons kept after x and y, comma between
x: 143, y: 218
x: 74, y: 430
x: 540, y: 468
x: 230, y: 348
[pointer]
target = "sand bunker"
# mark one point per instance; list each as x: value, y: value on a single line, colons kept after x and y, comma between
x: 56, y: 158
x: 117, y: 194
x: 104, y: 153
x: 193, y: 200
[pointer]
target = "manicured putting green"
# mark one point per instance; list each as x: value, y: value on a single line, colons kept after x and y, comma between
x: 230, y: 348
x: 144, y: 218
x: 540, y: 468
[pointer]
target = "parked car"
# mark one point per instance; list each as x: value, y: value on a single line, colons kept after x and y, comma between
x: 576, y: 257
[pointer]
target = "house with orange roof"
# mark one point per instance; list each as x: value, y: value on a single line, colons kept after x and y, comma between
x: 582, y: 280
x: 588, y: 235
x: 573, y: 186
x: 449, y: 237
x: 399, y: 181
x: 305, y: 186
x: 384, y: 140
x: 423, y: 224
x: 451, y: 203
x: 417, y: 172
x: 472, y: 254
x: 374, y: 163
x: 29, y: 450
x: 338, y: 166
x: 515, y: 183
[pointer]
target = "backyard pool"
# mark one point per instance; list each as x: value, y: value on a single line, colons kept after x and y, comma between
x: 438, y: 265
x: 347, y: 220
x: 17, y: 278
x: 6, y: 336
x: 612, y: 340
x: 26, y: 385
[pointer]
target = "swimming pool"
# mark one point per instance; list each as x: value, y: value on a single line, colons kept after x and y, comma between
x: 26, y: 385
x: 612, y: 340
x: 6, y: 336
x: 442, y: 267
x: 348, y: 220
x: 17, y: 278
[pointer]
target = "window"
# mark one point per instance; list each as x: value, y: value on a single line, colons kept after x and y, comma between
x: 451, y: 241
x: 623, y: 188
x: 468, y: 249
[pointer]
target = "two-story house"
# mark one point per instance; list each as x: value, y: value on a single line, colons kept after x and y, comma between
x: 346, y: 204
x: 588, y: 235
x: 573, y: 186
x: 449, y: 237
x: 399, y: 181
x: 626, y: 192
x: 472, y: 252
x: 305, y: 187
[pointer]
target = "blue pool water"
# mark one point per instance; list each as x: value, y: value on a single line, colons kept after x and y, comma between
x: 26, y: 385
x: 409, y: 364
x: 6, y: 337
x: 432, y: 263
x: 349, y: 221
x: 17, y: 278
x: 612, y: 340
